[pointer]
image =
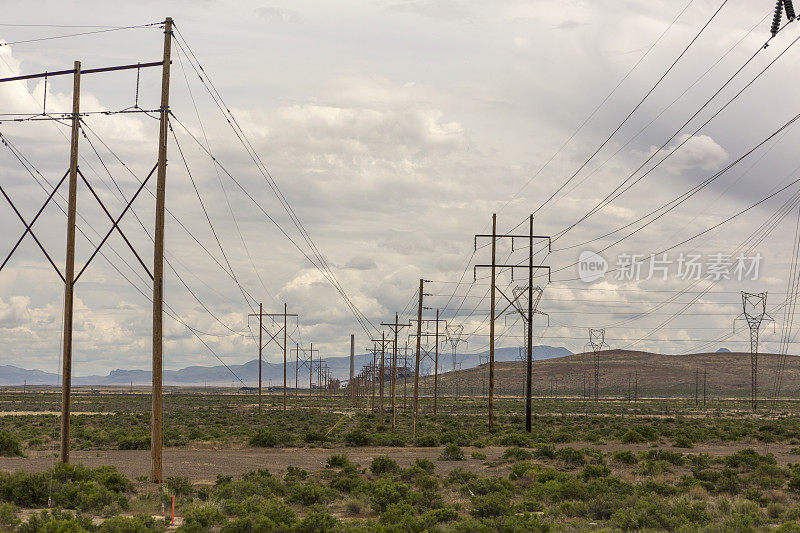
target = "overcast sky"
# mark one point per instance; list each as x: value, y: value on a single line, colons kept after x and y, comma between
x: 394, y: 130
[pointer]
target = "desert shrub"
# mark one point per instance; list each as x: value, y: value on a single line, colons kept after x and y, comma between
x: 478, y: 455
x: 662, y: 515
x: 254, y: 483
x: 202, y: 518
x: 357, y: 437
x: 438, y: 516
x: 318, y: 520
x: 132, y: 524
x: 632, y: 437
x: 337, y: 461
x: 426, y: 465
x: 386, y: 492
x: 595, y: 471
x: 8, y: 517
x: 9, y: 445
x: 683, y: 441
x: 544, y: 451
x: 520, y: 469
x: 309, y: 494
x: 491, y: 505
x: 180, y: 486
x: 516, y: 454
x: 383, y: 464
x: 56, y: 521
x: 452, y: 452
x: 625, y: 457
x: 133, y: 442
x: 267, y: 438
x: 426, y: 440
x: 571, y: 456
x: 749, y: 458
x: 675, y: 458
x: 294, y: 475
x: 514, y: 439
x: 73, y: 487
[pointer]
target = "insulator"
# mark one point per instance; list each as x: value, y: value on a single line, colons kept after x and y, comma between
x: 787, y: 4
x: 776, y: 20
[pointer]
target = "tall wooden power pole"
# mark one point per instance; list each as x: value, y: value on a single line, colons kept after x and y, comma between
x: 512, y: 302
x: 353, y: 368
x: 66, y: 377
x: 156, y: 439
x: 416, y: 366
x: 396, y: 327
x: 260, y: 349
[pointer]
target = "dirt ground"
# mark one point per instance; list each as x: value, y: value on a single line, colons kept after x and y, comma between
x: 203, y: 465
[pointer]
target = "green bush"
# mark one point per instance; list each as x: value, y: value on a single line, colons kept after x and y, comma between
x: 683, y: 441
x: 133, y: 442
x: 337, y: 461
x: 452, y: 452
x: 426, y: 440
x: 491, y: 505
x: 383, y: 464
x: 385, y: 492
x: 180, y: 486
x: 56, y: 521
x: 632, y: 437
x: 516, y: 454
x: 202, y: 518
x: 9, y: 445
x: 625, y: 457
x: 266, y: 438
x: 318, y: 520
x: 357, y: 437
x: 571, y: 456
x: 309, y: 494
x: 132, y: 524
x: 424, y: 464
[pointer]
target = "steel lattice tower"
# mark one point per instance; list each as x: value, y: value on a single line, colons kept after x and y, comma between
x: 597, y: 339
x: 754, y: 312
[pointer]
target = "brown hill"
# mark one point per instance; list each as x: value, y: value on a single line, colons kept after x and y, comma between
x: 727, y: 374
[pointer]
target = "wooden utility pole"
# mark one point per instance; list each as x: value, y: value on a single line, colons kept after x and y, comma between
x: 310, y: 374
x: 156, y: 439
x: 260, y: 349
x: 272, y: 337
x: 296, y: 372
x: 511, y: 303
x: 436, y: 369
x: 66, y: 377
x: 285, y: 311
x: 353, y: 368
x: 405, y: 373
x: 529, y: 365
x: 416, y: 366
x: 382, y: 378
x: 396, y: 327
x: 492, y: 304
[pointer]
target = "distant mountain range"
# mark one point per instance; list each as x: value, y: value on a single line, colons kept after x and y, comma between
x: 271, y: 372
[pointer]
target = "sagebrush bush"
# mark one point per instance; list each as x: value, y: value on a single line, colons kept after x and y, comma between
x: 383, y: 464
x: 452, y: 452
x: 9, y: 445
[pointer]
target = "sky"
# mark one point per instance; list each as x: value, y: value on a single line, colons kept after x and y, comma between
x: 394, y: 130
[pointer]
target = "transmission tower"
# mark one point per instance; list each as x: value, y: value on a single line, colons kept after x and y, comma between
x: 597, y: 339
x: 754, y: 312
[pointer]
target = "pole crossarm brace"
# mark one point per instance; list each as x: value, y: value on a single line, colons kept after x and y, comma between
x: 514, y: 236
x: 512, y: 267
x: 28, y: 227
x: 83, y: 72
x: 115, y: 223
